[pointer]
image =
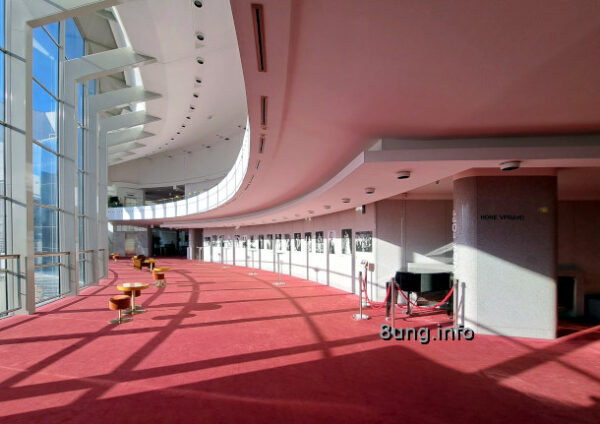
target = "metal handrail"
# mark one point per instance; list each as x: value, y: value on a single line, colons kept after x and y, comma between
x: 41, y: 255
x: 87, y: 251
x: 10, y: 257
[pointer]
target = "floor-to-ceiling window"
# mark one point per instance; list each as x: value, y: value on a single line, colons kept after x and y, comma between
x: 74, y: 49
x: 46, y: 106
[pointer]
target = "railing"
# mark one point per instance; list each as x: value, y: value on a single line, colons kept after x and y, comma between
x: 100, y: 263
x: 203, y: 202
x: 86, y: 267
x: 10, y: 277
x: 48, y: 282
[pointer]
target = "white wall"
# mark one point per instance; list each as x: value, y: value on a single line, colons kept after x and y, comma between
x: 428, y: 227
x: 177, y: 167
x: 412, y: 235
x: 578, y: 243
x: 335, y: 269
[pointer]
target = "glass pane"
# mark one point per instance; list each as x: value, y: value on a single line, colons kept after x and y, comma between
x: 74, y: 47
x: 80, y: 104
x: 45, y: 176
x: 81, y: 233
x: 2, y: 86
x: 53, y: 29
x: 47, y: 282
x: 45, y: 228
x: 2, y: 227
x: 2, y: 179
x: 80, y: 148
x: 45, y: 60
x: 45, y: 117
x: 80, y: 193
x: 82, y: 273
x: 92, y: 87
x: 2, y: 23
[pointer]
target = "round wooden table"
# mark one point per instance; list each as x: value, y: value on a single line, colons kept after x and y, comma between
x: 152, y: 263
x: 131, y: 288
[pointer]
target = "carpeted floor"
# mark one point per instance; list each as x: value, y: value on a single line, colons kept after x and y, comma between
x: 220, y: 346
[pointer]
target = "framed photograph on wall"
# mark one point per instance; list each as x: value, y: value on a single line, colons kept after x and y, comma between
x: 214, y: 241
x: 252, y: 242
x: 308, y: 238
x: 222, y: 241
x: 237, y: 241
x: 347, y: 241
x: 319, y: 242
x: 269, y: 242
x: 244, y: 241
x: 364, y: 241
x: 279, y: 246
x: 261, y: 241
x: 331, y: 241
x: 206, y: 241
x: 298, y: 242
x: 288, y: 242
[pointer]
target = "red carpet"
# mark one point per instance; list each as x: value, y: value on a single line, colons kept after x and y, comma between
x: 220, y: 346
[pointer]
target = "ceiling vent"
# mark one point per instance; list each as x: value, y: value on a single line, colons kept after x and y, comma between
x: 261, y: 147
x: 259, y: 36
x: 263, y: 112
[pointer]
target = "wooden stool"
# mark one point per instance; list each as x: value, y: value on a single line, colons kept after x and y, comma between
x: 119, y: 303
x: 115, y: 256
x: 158, y: 276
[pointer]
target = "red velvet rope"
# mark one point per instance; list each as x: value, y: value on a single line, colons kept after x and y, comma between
x: 374, y: 305
x: 428, y: 307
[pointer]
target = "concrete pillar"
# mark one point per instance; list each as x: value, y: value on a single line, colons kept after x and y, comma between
x: 505, y: 253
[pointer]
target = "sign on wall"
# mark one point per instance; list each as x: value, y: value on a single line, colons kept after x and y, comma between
x: 331, y: 241
x: 297, y: 242
x: 308, y: 238
x: 269, y: 242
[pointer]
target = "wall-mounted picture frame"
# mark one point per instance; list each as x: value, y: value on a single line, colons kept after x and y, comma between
x: 319, y: 242
x: 261, y: 241
x: 346, y: 241
x: 278, y: 244
x: 308, y: 239
x: 364, y: 241
x: 288, y: 242
x: 331, y: 241
x: 298, y: 242
x: 237, y: 240
x: 252, y: 242
x: 269, y: 242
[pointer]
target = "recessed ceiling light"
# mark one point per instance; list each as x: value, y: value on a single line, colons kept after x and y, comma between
x: 178, y: 132
x: 188, y: 117
x: 198, y: 81
x: 197, y: 3
x: 200, y: 36
x: 345, y: 200
x: 192, y: 107
x: 196, y: 95
x: 370, y: 190
x: 182, y: 125
x: 200, y: 60
x: 226, y: 138
x: 172, y: 138
x: 327, y: 206
x: 208, y: 147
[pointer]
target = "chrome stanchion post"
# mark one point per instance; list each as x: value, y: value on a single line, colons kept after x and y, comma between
x: 455, y: 303
x: 253, y: 272
x: 225, y: 259
x: 199, y: 254
x: 279, y: 282
x: 360, y: 315
x: 393, y: 305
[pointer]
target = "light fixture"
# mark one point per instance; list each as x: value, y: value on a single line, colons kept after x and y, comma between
x: 188, y: 117
x: 510, y: 165
x: 200, y: 61
x: 200, y: 36
x: 198, y: 81
x: 196, y: 95
x: 192, y: 107
x: 345, y: 200
x: 197, y: 3
x: 178, y: 132
x: 327, y: 206
x: 172, y: 138
x: 370, y: 190
x: 402, y: 175
x: 182, y: 125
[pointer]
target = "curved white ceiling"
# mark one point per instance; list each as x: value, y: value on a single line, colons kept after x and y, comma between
x: 168, y: 32
x: 344, y: 73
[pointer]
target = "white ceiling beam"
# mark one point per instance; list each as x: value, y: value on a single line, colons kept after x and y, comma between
x: 125, y: 121
x: 125, y: 136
